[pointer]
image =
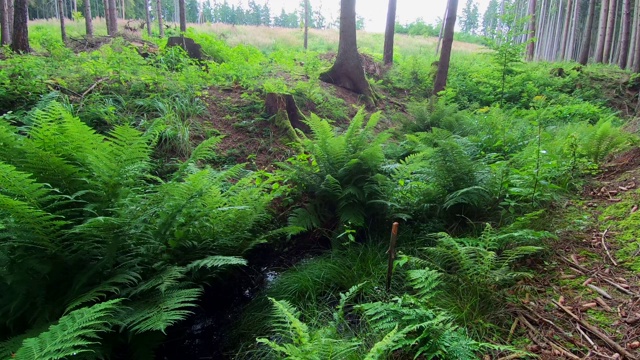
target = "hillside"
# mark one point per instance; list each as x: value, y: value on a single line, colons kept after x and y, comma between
x: 158, y: 206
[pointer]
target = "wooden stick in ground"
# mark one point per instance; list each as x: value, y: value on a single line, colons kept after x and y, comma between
x: 595, y: 331
x: 604, y: 245
x: 392, y: 253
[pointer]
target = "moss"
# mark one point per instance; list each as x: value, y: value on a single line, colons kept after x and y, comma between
x: 624, y: 227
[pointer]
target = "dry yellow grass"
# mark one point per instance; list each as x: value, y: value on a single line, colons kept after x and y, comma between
x: 271, y: 38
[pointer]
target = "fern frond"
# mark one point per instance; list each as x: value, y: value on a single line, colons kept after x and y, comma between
x: 74, y: 333
x: 111, y: 286
x: 381, y: 349
x: 158, y: 312
x: 288, y: 324
x: 204, y: 151
x: 216, y: 262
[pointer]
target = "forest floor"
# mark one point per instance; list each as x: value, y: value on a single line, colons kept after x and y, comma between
x: 585, y: 300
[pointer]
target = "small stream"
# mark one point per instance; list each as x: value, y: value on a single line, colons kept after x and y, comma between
x: 207, y: 333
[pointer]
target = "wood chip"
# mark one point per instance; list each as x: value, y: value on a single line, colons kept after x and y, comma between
x: 603, y: 304
x: 567, y: 277
x: 588, y: 306
x: 587, y: 282
x: 634, y: 208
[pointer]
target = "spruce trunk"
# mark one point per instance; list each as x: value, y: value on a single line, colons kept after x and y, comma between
x: 626, y: 34
x: 586, y: 41
x: 532, y: 30
x: 5, y: 35
x: 447, y: 44
x: 389, y: 33
x: 347, y: 71
x: 20, y: 41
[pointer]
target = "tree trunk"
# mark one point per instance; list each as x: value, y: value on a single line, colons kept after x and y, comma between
x: 306, y: 24
x: 632, y: 43
x: 183, y: 16
x: 20, y: 42
x: 531, y: 46
x: 160, y: 22
x: 147, y: 6
x: 608, y: 42
x: 447, y: 43
x: 105, y: 4
x: 602, y: 31
x: 63, y: 30
x: 441, y: 31
x: 112, y: 14
x: 347, y: 71
x: 626, y: 34
x: 11, y: 5
x: 390, y: 33
x: 565, y: 31
x: 636, y: 55
x: 5, y: 36
x: 575, y: 19
x: 586, y: 41
x: 88, y: 21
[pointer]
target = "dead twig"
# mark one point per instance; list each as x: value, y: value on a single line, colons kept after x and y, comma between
x: 604, y: 305
x: 600, y: 291
x: 604, y: 245
x: 90, y: 89
x: 617, y: 286
x: 586, y: 336
x: 595, y: 331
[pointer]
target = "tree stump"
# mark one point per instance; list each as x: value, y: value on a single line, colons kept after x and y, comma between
x: 286, y: 112
x: 193, y: 49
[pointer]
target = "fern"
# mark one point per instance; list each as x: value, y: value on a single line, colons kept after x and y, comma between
x: 216, y: 262
x: 602, y: 140
x: 157, y: 313
x: 74, y: 333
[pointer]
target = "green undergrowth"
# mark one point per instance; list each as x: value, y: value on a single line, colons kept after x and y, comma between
x: 129, y: 208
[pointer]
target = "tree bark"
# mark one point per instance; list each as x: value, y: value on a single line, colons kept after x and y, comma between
x: 575, y: 19
x: 390, y: 33
x: 306, y: 24
x: 88, y: 21
x: 531, y: 46
x: 11, y: 5
x: 183, y: 16
x: 160, y: 22
x: 632, y: 43
x: 20, y: 42
x: 602, y: 31
x: 5, y: 35
x: 608, y: 42
x: 447, y: 44
x: 636, y: 55
x: 147, y: 6
x: 105, y: 5
x: 112, y: 14
x: 586, y: 41
x: 63, y: 30
x: 626, y: 34
x: 347, y: 71
x: 565, y: 31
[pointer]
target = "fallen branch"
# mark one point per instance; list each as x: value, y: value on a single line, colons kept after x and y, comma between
x: 604, y: 245
x: 603, y: 304
x: 600, y: 291
x: 575, y: 266
x: 614, y: 345
x: 586, y: 336
x: 617, y: 286
x: 90, y: 89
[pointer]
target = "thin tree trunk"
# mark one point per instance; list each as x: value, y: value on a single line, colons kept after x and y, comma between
x: 636, y: 55
x: 347, y: 71
x: 63, y: 30
x: 571, y: 48
x: 11, y: 5
x: 112, y: 14
x: 447, y: 44
x: 586, y: 41
x: 88, y: 21
x: 532, y: 30
x: 148, y: 10
x: 160, y: 22
x: 602, y: 32
x: 632, y: 43
x: 75, y: 7
x: 183, y: 16
x: 626, y: 34
x: 105, y: 4
x: 306, y: 24
x: 122, y: 4
x: 446, y: 12
x: 5, y: 36
x: 565, y: 31
x: 608, y: 43
x: 20, y: 41
x: 389, y: 33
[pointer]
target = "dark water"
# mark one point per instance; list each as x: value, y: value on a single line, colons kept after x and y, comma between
x: 207, y: 333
